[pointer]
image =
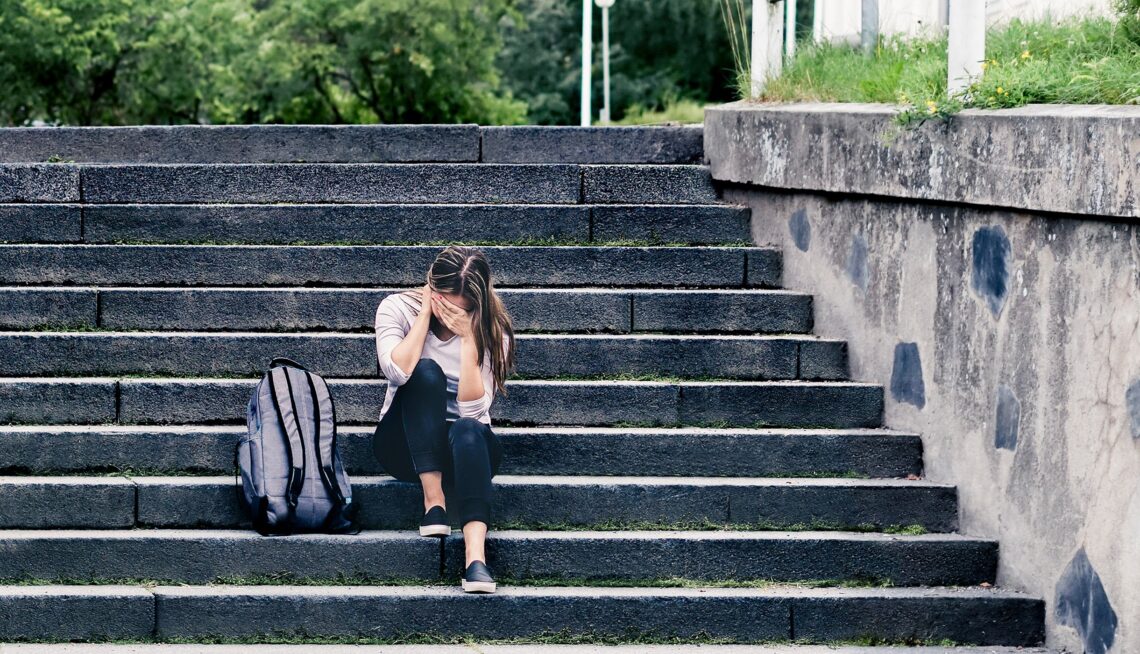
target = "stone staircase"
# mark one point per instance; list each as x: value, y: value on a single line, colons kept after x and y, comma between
x: 714, y: 476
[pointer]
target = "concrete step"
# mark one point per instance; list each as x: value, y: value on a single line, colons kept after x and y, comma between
x: 41, y: 223
x: 686, y: 451
x: 494, y: 648
x: 924, y: 560
x: 973, y: 616
x: 207, y: 556
x: 429, y: 183
x: 519, y: 501
x: 379, y: 223
x: 352, y: 144
x: 379, y: 265
x: 320, y: 309
x: 635, y: 144
x: 354, y: 355
x: 95, y: 400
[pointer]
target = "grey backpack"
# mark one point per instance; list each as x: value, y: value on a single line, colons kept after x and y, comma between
x: 292, y: 478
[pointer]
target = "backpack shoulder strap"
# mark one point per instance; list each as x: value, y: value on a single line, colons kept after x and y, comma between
x: 325, y: 418
x: 282, y: 390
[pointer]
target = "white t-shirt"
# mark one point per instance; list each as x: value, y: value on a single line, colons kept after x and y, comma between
x: 394, y: 319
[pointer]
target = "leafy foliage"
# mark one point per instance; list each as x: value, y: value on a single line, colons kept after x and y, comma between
x: 661, y: 53
x: 91, y: 62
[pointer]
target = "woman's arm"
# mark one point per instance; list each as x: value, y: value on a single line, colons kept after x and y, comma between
x: 399, y: 351
x: 470, y: 376
x: 481, y: 404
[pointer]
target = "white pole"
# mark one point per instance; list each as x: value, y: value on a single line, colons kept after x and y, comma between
x: 817, y: 21
x: 587, y: 46
x: 775, y: 38
x: 790, y: 29
x: 967, y: 48
x: 869, y: 25
x: 759, y: 45
x: 767, y: 42
x: 605, y: 64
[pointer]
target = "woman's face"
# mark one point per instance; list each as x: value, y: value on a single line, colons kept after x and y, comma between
x: 456, y: 299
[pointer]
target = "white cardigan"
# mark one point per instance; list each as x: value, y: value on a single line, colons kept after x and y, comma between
x: 394, y: 319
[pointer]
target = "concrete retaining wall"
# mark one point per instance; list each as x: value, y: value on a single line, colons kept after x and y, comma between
x: 1007, y: 334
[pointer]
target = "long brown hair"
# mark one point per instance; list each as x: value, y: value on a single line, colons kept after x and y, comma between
x: 464, y: 270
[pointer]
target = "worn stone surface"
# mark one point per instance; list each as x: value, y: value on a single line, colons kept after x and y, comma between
x: 1064, y: 344
x: 57, y: 401
x: 727, y: 311
x: 783, y: 404
x: 767, y: 648
x: 647, y: 184
x: 321, y: 183
x: 777, y: 556
x: 968, y: 616
x: 352, y: 355
x: 63, y: 502
x: 823, y: 360
x: 167, y: 265
x: 40, y: 223
x: 28, y: 308
x: 332, y: 223
x: 242, y: 143
x: 849, y: 502
x: 513, y: 612
x: 161, y: 401
x: 301, y: 309
x: 553, y: 309
x: 526, y: 450
x: 584, y: 500
x: 182, y: 354
x: 203, y: 556
x: 736, y: 357
x: 737, y: 613
x: 1072, y: 159
x: 63, y: 613
x: 670, y: 223
x: 593, y: 145
x: 733, y: 403
x: 764, y: 269
x: 39, y: 183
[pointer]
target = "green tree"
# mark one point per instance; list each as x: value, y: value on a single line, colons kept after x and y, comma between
x: 660, y: 50
x: 111, y: 62
x: 59, y: 60
x: 365, y: 61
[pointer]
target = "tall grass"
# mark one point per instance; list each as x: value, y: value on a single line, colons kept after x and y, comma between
x: 736, y: 21
x: 1078, y: 61
x: 677, y: 110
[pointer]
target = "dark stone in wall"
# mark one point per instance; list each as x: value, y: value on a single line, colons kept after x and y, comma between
x: 1008, y: 419
x: 991, y: 267
x: 857, y: 262
x: 1132, y: 399
x: 800, y: 228
x: 906, y: 376
x: 1083, y: 605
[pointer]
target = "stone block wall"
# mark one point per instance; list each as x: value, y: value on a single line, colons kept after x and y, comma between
x: 988, y: 272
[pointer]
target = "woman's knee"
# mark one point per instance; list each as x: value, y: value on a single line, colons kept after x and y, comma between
x: 427, y: 374
x: 465, y: 432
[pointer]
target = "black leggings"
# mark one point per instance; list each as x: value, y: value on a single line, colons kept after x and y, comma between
x: 416, y: 436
